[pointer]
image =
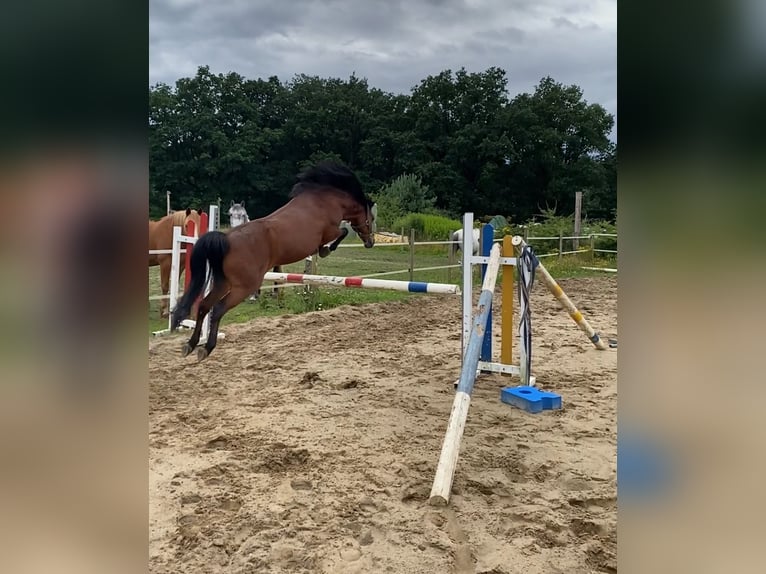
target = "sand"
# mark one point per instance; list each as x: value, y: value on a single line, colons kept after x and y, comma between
x: 308, y: 443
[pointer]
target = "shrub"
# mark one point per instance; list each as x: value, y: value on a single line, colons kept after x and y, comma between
x: 428, y: 227
x: 406, y: 194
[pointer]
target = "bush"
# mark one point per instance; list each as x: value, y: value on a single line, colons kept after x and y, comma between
x: 428, y: 227
x: 406, y: 194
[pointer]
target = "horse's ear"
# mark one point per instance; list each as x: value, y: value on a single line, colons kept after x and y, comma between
x: 232, y: 203
x: 188, y: 211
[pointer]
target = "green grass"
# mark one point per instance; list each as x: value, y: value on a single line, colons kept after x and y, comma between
x: 359, y: 261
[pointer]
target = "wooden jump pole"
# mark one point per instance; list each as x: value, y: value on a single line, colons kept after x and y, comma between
x: 445, y: 471
x: 564, y: 301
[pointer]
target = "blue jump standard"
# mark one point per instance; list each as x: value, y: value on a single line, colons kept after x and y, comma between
x: 530, y: 399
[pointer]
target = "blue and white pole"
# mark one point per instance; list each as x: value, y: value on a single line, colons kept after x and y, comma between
x: 451, y: 447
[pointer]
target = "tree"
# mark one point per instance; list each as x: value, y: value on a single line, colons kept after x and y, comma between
x: 406, y: 194
x: 458, y: 139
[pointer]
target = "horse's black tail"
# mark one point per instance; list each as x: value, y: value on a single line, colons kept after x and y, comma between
x: 211, y: 248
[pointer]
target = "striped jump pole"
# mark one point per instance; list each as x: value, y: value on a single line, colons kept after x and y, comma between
x: 445, y: 472
x: 364, y: 283
x: 562, y: 298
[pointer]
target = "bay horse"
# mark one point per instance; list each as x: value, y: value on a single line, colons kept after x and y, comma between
x: 161, y: 237
x: 323, y: 196
x: 238, y: 216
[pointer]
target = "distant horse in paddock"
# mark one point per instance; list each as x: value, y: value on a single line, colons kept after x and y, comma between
x: 323, y: 196
x: 238, y: 216
x: 161, y: 237
x: 457, y: 237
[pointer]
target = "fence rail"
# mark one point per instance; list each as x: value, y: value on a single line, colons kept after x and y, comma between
x: 412, y: 269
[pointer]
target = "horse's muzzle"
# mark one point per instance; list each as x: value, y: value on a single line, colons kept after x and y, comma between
x: 370, y: 242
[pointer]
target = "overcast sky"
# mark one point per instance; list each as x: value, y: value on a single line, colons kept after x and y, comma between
x: 393, y: 43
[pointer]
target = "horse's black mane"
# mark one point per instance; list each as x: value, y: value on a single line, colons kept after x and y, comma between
x: 331, y: 174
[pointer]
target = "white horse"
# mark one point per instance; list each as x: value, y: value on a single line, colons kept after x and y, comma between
x: 238, y: 214
x: 457, y: 236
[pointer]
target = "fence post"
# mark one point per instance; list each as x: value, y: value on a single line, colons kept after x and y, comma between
x: 592, y: 247
x: 561, y: 244
x: 412, y: 254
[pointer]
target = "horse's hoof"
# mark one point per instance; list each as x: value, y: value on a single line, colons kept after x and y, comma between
x: 324, y: 251
x: 201, y: 354
x: 186, y: 349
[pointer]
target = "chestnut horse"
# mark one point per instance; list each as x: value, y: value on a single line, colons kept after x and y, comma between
x: 161, y: 237
x: 324, y: 195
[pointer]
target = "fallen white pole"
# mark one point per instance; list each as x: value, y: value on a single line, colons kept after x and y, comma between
x: 445, y: 471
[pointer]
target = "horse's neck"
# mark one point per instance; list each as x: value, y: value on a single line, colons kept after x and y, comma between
x: 329, y: 206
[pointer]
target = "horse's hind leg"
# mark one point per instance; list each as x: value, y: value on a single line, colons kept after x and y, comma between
x: 216, y: 292
x: 231, y: 300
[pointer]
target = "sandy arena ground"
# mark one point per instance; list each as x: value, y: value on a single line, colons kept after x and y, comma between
x: 308, y: 443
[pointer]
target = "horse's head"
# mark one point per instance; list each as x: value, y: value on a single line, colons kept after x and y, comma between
x: 363, y: 223
x: 192, y: 215
x: 238, y: 214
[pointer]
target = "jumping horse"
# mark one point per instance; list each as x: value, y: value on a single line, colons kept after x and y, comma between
x: 161, y: 237
x: 323, y: 196
x: 238, y: 216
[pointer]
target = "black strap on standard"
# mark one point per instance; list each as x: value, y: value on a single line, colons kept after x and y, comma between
x: 528, y: 262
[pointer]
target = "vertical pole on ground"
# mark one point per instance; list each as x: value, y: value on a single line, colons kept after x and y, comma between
x: 577, y: 219
x: 506, y: 312
x: 187, y: 258
x: 467, y: 249
x: 592, y: 248
x: 175, y: 268
x: 561, y: 244
x: 412, y: 254
x: 213, y: 221
x: 487, y: 236
x: 167, y: 200
x: 450, y: 259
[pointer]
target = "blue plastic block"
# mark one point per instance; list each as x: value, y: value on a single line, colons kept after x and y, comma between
x: 530, y: 399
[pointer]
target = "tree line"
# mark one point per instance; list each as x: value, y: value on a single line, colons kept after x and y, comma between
x: 457, y: 134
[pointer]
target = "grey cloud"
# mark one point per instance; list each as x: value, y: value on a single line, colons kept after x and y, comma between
x: 394, y: 44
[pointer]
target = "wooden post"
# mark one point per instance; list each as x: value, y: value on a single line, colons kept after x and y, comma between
x: 506, y: 313
x: 167, y: 199
x: 561, y: 244
x: 592, y: 247
x: 577, y: 217
x: 412, y: 254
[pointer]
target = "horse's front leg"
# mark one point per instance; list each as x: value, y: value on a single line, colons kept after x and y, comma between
x: 325, y: 250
